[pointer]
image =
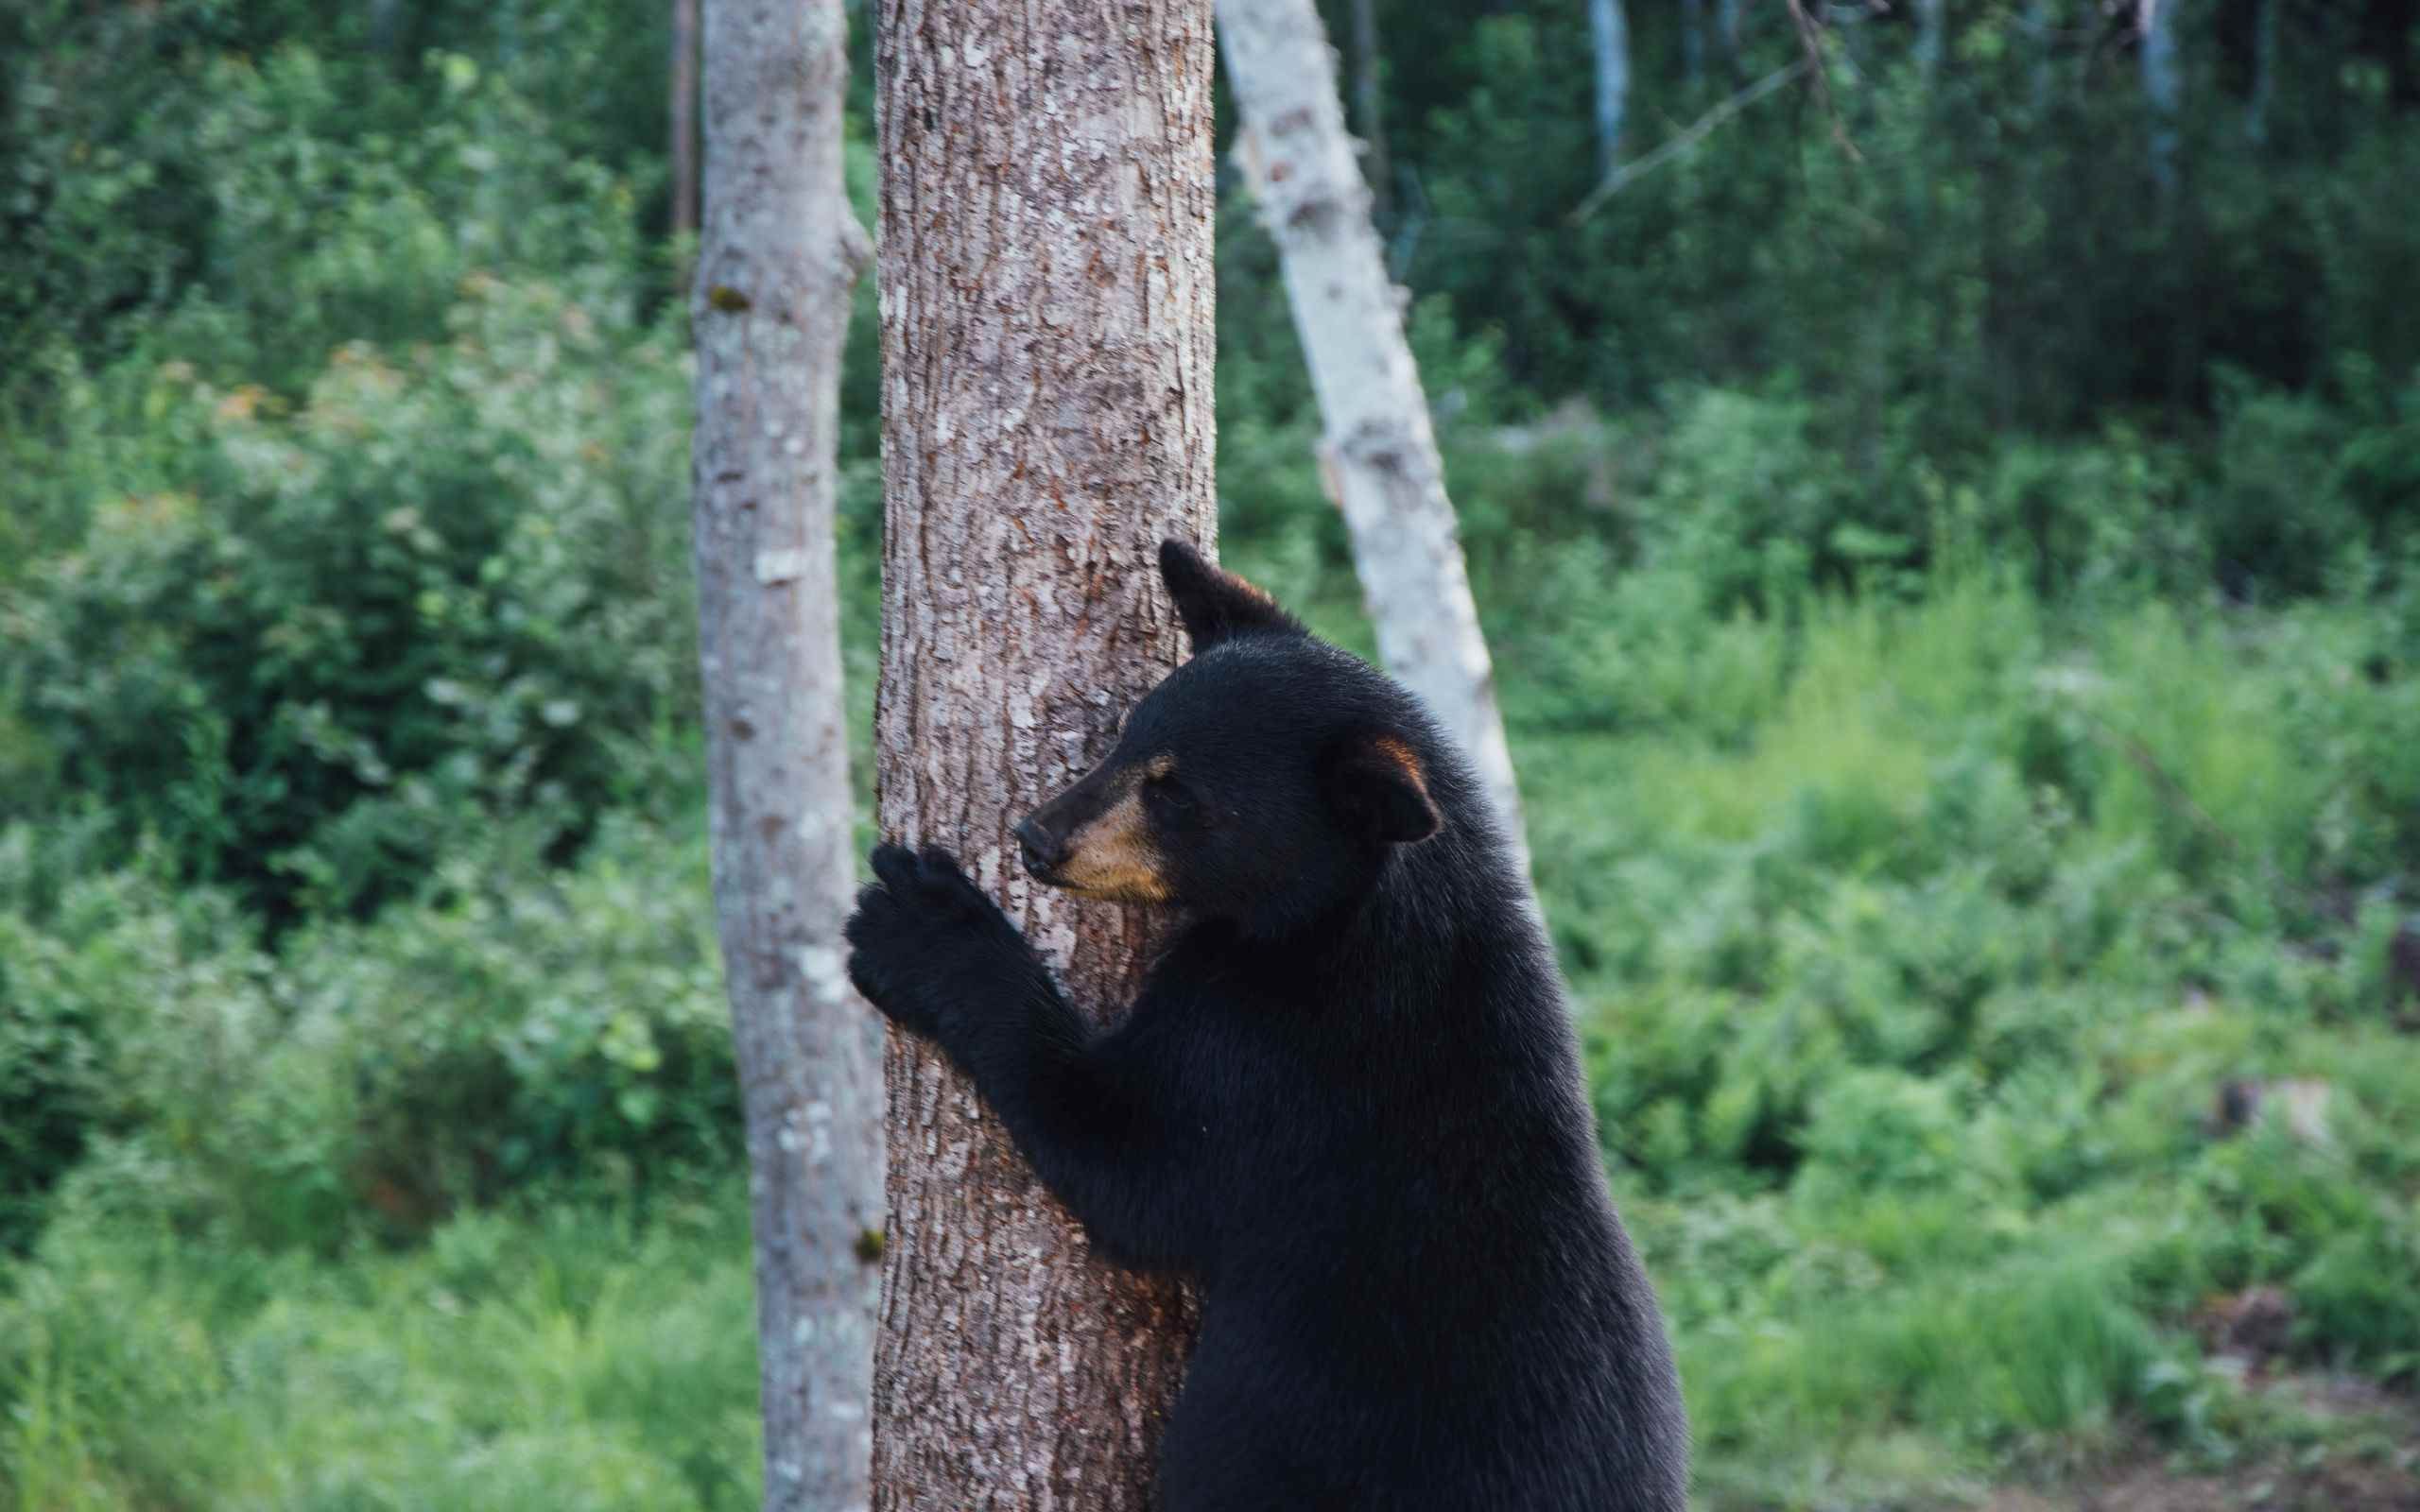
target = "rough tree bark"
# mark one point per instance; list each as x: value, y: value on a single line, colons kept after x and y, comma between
x: 1047, y: 341
x: 1608, y: 36
x: 683, y: 113
x: 1380, y: 453
x: 772, y: 304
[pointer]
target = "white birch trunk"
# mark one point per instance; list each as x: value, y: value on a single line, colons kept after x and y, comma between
x: 779, y: 255
x: 1608, y: 33
x: 1380, y: 454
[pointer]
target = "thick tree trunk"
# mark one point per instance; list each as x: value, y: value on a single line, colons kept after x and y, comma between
x: 683, y: 113
x: 1048, y: 342
x: 1380, y: 453
x: 1608, y: 36
x: 774, y: 270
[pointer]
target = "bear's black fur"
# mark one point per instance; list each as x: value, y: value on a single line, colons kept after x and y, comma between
x: 1347, y: 1102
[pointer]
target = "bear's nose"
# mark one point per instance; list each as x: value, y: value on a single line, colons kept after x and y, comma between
x: 1042, y: 851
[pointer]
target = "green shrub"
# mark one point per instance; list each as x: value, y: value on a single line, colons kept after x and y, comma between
x: 439, y: 588
x: 517, y: 1030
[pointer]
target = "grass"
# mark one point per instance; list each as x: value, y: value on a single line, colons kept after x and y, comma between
x: 565, y: 1357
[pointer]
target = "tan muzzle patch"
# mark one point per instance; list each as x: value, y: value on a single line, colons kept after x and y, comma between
x: 1113, y: 856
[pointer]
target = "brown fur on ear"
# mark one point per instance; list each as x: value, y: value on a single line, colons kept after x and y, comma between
x: 1380, y: 786
x: 1214, y: 604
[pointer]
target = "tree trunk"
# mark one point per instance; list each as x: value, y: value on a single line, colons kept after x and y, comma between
x: 1047, y: 341
x: 1380, y: 454
x: 1726, y: 26
x: 779, y: 256
x: 2163, y: 87
x: 1692, y: 43
x: 1368, y: 105
x: 1930, y: 39
x: 2264, y: 71
x: 684, y: 116
x: 384, y: 25
x: 1608, y: 33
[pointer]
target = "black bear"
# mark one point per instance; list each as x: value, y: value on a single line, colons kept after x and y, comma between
x: 1347, y: 1100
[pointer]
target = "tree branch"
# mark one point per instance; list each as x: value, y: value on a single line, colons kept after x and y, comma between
x: 1629, y: 173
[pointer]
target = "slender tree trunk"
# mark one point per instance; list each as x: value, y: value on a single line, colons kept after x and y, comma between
x: 779, y: 256
x: 1726, y: 26
x: 1380, y: 454
x: 684, y: 116
x: 2163, y: 86
x: 1930, y: 40
x: 1609, y: 32
x: 384, y: 18
x: 1692, y: 43
x: 1368, y: 105
x: 2264, y: 71
x: 1047, y: 341
x: 2043, y: 18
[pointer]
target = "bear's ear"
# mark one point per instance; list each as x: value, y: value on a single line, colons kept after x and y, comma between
x: 1213, y: 604
x: 1379, y: 788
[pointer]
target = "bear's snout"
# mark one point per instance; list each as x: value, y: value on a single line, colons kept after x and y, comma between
x: 1041, y: 848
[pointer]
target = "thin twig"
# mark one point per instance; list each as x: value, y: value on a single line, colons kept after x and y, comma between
x: 1810, y: 38
x: 1622, y: 177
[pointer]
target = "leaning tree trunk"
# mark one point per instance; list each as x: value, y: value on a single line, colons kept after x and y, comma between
x: 779, y: 255
x: 1047, y: 341
x: 1380, y: 454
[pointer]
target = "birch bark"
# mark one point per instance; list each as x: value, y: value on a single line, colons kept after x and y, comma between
x: 777, y: 260
x: 1047, y: 339
x: 1380, y: 453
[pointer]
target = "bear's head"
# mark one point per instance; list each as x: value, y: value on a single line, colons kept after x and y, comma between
x: 1267, y: 779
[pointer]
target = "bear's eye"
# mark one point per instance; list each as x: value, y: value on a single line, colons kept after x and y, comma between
x: 1171, y: 796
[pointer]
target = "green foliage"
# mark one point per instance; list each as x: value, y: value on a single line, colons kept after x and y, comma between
x: 1955, y: 604
x: 518, y: 1029
x: 321, y: 639
x: 557, y: 1358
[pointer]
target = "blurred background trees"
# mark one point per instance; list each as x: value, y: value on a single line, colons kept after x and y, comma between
x: 1954, y: 612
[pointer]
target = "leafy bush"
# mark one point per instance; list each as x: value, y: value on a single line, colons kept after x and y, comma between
x: 435, y: 589
x: 517, y: 1031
